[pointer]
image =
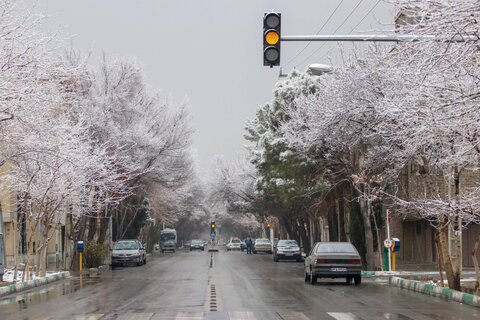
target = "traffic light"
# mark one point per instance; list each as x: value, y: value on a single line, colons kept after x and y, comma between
x: 212, y: 226
x: 268, y: 225
x: 271, y: 38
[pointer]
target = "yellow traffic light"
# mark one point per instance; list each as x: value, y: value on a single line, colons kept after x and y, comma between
x: 272, y: 37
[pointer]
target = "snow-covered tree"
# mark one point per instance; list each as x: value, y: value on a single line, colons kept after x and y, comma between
x: 411, y: 106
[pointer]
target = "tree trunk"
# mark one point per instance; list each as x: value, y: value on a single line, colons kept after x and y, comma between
x: 303, y: 235
x: 42, y: 251
x: 92, y: 228
x: 453, y: 278
x: 365, y: 210
x: 104, y: 224
x: 475, y: 263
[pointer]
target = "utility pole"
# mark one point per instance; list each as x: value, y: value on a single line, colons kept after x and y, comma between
x: 2, y: 245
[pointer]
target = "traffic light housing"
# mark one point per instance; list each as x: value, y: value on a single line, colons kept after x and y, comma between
x: 212, y: 226
x: 271, y: 38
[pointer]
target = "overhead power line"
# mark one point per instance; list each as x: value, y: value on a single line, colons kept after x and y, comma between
x: 320, y: 30
x: 338, y: 28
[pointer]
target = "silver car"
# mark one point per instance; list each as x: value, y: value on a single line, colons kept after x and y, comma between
x: 128, y: 252
x: 262, y: 245
x: 333, y: 260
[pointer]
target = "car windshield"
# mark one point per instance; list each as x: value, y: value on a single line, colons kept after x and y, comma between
x: 167, y: 236
x: 235, y: 241
x: 262, y: 241
x: 287, y: 243
x: 336, y: 247
x: 197, y: 242
x: 126, y: 245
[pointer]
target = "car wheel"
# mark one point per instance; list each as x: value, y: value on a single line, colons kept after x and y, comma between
x: 275, y: 258
x: 139, y: 263
x: 358, y: 280
x: 113, y: 266
x: 299, y: 260
x: 173, y: 250
x: 349, y: 280
x: 145, y: 260
x: 254, y: 252
x: 313, y: 278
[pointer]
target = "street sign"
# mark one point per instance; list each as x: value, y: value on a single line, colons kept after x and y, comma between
x: 388, y: 243
x: 213, y: 233
x: 80, y: 246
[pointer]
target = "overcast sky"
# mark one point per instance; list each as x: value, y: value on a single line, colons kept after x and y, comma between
x: 210, y: 51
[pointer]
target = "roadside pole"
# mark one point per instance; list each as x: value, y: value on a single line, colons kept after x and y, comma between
x: 388, y: 237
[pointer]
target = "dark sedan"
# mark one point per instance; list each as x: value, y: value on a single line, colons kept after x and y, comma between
x: 288, y: 250
x: 197, y: 245
x: 333, y: 260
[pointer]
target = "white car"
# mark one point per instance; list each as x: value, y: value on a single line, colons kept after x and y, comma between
x: 233, y: 244
x: 127, y: 252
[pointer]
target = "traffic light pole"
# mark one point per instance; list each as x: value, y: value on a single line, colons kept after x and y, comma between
x: 374, y: 38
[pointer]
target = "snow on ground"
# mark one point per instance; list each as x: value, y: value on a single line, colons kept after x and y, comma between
x: 9, y: 273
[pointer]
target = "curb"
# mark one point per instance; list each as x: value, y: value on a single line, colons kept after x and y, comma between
x: 427, y: 288
x: 13, y: 288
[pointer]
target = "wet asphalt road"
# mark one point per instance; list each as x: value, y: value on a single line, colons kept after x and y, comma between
x: 230, y: 286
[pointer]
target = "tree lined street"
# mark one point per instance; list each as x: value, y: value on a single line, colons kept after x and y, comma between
x: 179, y: 286
x: 368, y: 160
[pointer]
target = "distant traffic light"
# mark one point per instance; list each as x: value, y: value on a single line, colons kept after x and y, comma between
x: 271, y: 38
x: 268, y: 225
x: 212, y: 226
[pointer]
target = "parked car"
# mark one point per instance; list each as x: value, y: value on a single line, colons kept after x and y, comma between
x: 333, y: 260
x: 233, y: 244
x: 128, y: 252
x: 197, y: 245
x: 288, y: 250
x: 262, y: 245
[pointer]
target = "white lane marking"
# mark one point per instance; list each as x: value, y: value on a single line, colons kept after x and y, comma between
x: 343, y: 315
x: 135, y: 316
x: 241, y: 316
x: 93, y: 316
x: 190, y: 316
x: 292, y: 315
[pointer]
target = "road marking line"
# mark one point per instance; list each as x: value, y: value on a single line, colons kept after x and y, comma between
x: 343, y: 315
x: 136, y: 316
x: 190, y: 316
x: 292, y: 315
x: 241, y: 316
x: 93, y: 316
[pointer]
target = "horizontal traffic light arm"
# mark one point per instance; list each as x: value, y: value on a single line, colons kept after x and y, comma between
x: 374, y: 38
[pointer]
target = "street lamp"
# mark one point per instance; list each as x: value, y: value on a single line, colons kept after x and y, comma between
x: 317, y: 69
